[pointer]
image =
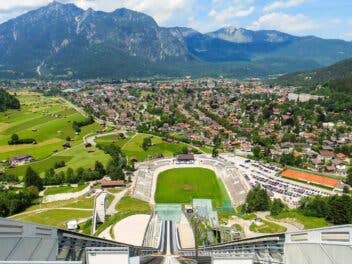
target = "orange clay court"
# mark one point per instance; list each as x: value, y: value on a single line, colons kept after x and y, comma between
x: 311, y: 178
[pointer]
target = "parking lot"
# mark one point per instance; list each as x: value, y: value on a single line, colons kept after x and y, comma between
x: 266, y: 175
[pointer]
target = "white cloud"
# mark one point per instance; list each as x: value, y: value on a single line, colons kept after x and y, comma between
x: 160, y: 10
x: 284, y: 22
x: 227, y: 15
x: 14, y: 4
x: 283, y: 4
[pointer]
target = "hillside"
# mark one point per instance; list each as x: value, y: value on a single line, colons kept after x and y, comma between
x: 64, y: 41
x: 339, y: 74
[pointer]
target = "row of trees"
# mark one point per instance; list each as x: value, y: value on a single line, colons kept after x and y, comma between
x: 8, y: 101
x: 76, y: 125
x: 74, y: 176
x: 14, y: 201
x: 16, y: 140
x: 118, y: 163
x: 335, y: 209
x: 259, y: 200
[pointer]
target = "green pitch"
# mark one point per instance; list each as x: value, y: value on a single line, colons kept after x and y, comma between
x: 184, y: 184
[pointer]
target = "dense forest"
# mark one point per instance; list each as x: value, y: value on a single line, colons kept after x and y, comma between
x: 8, y: 101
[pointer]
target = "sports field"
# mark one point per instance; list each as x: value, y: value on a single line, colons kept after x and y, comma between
x: 184, y: 184
x: 310, y: 178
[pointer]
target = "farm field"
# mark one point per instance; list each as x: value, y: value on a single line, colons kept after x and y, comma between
x: 183, y: 184
x: 131, y: 146
x: 82, y: 157
x: 48, y: 120
x: 113, y: 139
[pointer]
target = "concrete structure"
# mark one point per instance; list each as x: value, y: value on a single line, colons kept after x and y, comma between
x: 28, y: 242
x: 99, y: 212
x: 107, y: 255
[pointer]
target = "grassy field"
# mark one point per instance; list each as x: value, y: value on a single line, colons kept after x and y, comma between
x: 126, y: 207
x: 82, y: 157
x: 81, y: 202
x: 39, y: 166
x: 131, y: 146
x: 113, y: 139
x: 48, y: 120
x: 307, y: 221
x: 246, y: 216
x: 64, y: 189
x: 55, y: 217
x: 267, y: 227
x: 128, y: 203
x: 184, y: 184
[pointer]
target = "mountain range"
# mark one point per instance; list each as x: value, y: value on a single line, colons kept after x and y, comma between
x: 64, y: 41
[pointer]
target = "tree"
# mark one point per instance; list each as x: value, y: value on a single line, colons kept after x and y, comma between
x: 257, y: 200
x: 346, y: 189
x: 9, y: 178
x: 114, y: 172
x: 8, y: 101
x: 99, y: 168
x: 184, y: 150
x: 32, y: 178
x: 257, y: 153
x: 70, y: 176
x: 15, y: 138
x: 316, y: 206
x: 215, y: 152
x: 340, y: 210
x: 277, y: 207
x: 349, y: 177
x: 147, y: 142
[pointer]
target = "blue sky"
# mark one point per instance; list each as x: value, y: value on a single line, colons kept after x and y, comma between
x: 324, y: 18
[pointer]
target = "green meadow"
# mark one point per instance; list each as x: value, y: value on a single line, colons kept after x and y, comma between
x: 55, y: 217
x: 131, y: 146
x: 48, y: 120
x: 184, y: 184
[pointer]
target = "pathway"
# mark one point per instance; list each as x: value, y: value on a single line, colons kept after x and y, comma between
x: 117, y: 197
x: 290, y: 227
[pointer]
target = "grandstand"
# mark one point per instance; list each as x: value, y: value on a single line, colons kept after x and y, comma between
x: 146, y: 174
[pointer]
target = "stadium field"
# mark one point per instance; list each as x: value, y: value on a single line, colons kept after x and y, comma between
x: 181, y: 185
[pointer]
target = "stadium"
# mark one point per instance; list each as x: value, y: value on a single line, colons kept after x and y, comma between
x: 185, y: 193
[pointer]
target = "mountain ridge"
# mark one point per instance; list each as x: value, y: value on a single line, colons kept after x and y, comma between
x: 64, y: 41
